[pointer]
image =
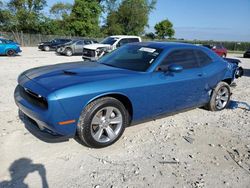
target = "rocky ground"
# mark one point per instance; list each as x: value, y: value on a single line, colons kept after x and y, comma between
x: 197, y: 148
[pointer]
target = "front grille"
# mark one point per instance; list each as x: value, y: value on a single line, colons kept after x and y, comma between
x: 32, y: 97
x: 88, y: 52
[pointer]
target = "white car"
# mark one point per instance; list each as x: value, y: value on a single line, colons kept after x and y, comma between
x: 95, y: 51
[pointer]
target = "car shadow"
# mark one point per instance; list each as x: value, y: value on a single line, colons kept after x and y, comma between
x: 20, y: 169
x: 237, y: 104
x: 32, y: 127
x: 246, y: 72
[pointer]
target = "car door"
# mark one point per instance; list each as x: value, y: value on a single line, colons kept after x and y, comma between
x: 79, y: 47
x: 174, y: 91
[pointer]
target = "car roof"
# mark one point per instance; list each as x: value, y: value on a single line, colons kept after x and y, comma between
x: 165, y: 45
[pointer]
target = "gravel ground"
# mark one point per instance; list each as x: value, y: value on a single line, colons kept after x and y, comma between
x: 197, y: 148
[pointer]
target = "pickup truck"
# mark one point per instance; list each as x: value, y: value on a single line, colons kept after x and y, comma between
x: 95, y: 51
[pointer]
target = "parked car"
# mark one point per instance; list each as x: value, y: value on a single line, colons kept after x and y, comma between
x: 8, y: 47
x: 75, y: 47
x: 51, y: 45
x: 97, y: 100
x: 218, y: 49
x: 246, y: 54
x: 96, y: 51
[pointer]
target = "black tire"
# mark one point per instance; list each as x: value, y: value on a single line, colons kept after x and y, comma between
x: 10, y: 52
x: 224, y: 55
x: 46, y: 48
x: 68, y: 52
x: 58, y: 50
x: 213, y: 104
x: 85, y: 126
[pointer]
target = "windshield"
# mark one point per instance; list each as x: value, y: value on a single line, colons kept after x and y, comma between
x: 131, y: 57
x: 109, y: 40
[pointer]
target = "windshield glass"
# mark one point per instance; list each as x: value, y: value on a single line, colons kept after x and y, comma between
x: 109, y: 40
x: 131, y: 57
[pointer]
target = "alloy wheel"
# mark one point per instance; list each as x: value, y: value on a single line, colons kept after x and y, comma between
x: 106, y: 124
x: 222, y: 98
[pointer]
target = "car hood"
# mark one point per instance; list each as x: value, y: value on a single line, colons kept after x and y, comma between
x: 59, y: 76
x: 95, y: 46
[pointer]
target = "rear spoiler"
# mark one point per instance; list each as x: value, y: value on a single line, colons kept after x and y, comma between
x: 230, y: 60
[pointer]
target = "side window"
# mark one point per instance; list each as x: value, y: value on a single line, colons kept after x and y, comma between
x: 80, y: 42
x: 203, y: 58
x: 133, y: 40
x: 1, y: 42
x: 122, y: 42
x: 87, y: 42
x: 184, y: 58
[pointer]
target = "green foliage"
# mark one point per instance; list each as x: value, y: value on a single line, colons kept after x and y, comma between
x: 22, y: 15
x: 164, y: 29
x: 61, y: 10
x: 84, y: 18
x: 150, y: 35
x: 79, y: 19
x: 130, y: 18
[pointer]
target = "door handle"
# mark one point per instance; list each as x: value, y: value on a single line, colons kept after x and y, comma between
x: 200, y: 74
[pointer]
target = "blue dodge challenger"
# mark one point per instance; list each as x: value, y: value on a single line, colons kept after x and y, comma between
x: 96, y: 101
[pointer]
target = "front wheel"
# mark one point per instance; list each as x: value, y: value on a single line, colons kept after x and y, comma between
x: 220, y: 97
x: 10, y: 52
x: 68, y: 52
x: 46, y: 48
x: 102, y: 122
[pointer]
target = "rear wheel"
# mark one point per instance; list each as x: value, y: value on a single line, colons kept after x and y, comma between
x: 68, y: 52
x: 10, y: 52
x: 102, y: 122
x: 220, y: 97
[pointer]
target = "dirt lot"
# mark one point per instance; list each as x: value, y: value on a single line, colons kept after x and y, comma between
x: 197, y: 148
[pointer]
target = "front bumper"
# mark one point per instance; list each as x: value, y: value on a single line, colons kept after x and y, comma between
x: 89, y: 58
x: 239, y: 72
x: 40, y: 47
x: 44, y: 120
x: 44, y: 134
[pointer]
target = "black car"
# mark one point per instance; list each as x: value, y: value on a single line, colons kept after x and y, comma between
x: 246, y: 54
x: 52, y: 45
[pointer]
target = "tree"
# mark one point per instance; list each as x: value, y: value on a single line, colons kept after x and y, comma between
x: 164, y: 29
x: 130, y: 18
x: 61, y: 10
x: 150, y: 35
x: 22, y: 15
x: 84, y: 18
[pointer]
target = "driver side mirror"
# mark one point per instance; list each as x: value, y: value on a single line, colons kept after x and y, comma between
x: 170, y: 68
x: 175, y: 68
